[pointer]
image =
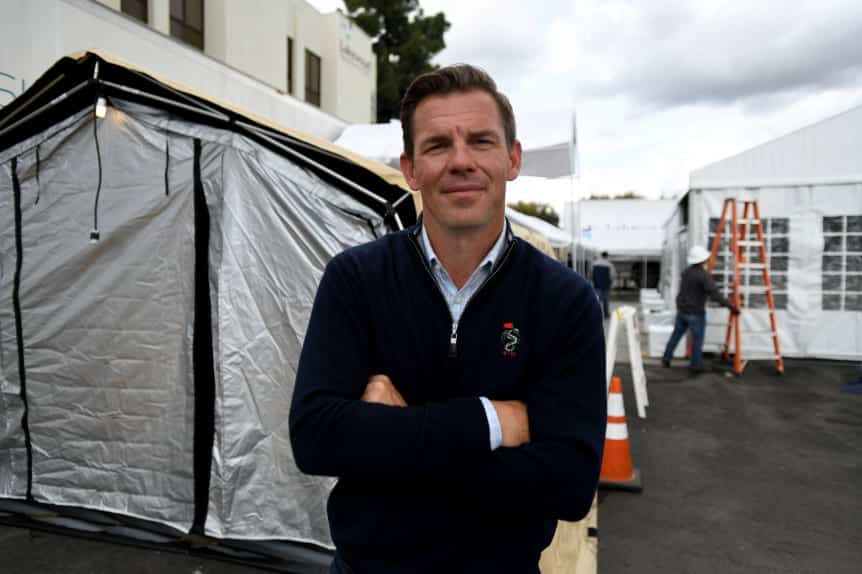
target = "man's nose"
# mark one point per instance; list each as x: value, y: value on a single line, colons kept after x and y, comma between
x: 461, y: 159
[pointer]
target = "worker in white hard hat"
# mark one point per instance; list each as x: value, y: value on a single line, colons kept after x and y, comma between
x: 696, y: 286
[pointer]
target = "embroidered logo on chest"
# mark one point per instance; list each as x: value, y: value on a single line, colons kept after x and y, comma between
x: 509, y: 339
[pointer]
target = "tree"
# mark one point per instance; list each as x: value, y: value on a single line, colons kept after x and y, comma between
x: 404, y: 41
x: 626, y: 195
x: 540, y: 210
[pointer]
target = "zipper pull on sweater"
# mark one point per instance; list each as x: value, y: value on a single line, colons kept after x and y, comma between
x: 453, y: 341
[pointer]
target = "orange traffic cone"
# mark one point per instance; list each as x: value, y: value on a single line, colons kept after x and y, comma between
x: 617, y: 470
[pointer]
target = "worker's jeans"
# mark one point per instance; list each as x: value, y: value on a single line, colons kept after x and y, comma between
x: 684, y: 322
x: 604, y: 299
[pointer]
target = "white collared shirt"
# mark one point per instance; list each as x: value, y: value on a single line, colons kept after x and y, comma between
x: 457, y: 299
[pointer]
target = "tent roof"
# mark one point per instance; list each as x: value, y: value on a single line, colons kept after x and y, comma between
x: 556, y: 236
x: 822, y: 153
x: 74, y: 82
x: 625, y: 227
x: 380, y: 142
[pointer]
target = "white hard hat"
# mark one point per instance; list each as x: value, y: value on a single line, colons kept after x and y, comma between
x: 697, y: 254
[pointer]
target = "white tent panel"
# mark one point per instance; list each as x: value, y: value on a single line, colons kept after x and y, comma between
x: 807, y: 326
x: 108, y: 348
x: 825, y: 152
x: 108, y: 326
x: 380, y: 142
x: 624, y: 227
x: 556, y: 236
x: 265, y: 289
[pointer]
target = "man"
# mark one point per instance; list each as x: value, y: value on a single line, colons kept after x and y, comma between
x: 696, y: 285
x: 603, y: 279
x: 452, y: 377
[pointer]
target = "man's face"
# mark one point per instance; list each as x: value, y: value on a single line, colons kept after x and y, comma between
x: 460, y: 162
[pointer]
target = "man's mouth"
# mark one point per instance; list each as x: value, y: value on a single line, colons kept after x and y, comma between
x: 463, y: 188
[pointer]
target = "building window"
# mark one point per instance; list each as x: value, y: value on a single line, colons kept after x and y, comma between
x: 289, y: 65
x: 187, y: 21
x: 135, y: 9
x: 776, y: 237
x: 842, y: 263
x: 312, y: 78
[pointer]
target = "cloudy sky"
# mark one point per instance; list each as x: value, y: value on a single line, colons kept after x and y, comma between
x: 660, y: 87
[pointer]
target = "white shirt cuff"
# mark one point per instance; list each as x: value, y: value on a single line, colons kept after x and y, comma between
x: 493, y: 423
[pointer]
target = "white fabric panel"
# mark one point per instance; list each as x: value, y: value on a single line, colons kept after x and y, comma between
x: 805, y: 329
x: 823, y: 153
x: 556, y: 236
x: 624, y: 227
x: 380, y: 142
x: 106, y: 326
x: 13, y: 456
x: 280, y: 225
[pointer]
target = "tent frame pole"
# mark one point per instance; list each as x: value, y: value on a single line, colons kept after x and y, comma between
x: 317, y: 165
x: 46, y: 107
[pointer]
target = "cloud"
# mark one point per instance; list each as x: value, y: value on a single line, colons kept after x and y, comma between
x: 666, y: 54
x: 661, y: 87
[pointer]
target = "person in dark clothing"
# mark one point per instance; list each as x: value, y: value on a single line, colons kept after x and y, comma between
x: 695, y: 287
x: 452, y: 377
x: 603, y: 279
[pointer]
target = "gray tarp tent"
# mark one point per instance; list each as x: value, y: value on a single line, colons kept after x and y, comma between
x: 157, y: 271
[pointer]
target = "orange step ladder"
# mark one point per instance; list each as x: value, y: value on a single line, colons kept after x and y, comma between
x: 740, y: 241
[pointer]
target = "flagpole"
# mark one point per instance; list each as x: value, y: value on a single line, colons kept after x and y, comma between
x: 574, y: 174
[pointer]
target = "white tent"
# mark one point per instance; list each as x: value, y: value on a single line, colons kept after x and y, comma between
x: 158, y: 264
x: 625, y: 228
x: 558, y: 238
x: 809, y: 188
x: 380, y: 142
x: 630, y: 230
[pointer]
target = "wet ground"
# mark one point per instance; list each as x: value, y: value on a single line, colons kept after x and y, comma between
x: 25, y: 551
x: 761, y: 473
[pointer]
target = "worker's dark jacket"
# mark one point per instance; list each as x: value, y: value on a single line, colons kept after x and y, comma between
x: 696, y: 286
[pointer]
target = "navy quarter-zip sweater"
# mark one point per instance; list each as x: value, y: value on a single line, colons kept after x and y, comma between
x: 419, y: 489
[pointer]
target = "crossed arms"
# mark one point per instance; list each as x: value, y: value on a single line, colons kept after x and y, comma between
x: 345, y: 424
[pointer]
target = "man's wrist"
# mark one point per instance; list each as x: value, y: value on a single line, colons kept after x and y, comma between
x: 496, y: 431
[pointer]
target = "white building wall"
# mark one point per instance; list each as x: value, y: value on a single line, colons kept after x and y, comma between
x: 251, y: 36
x: 34, y: 34
x: 357, y: 66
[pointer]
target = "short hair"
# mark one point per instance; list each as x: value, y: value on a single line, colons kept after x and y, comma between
x: 448, y: 80
x: 605, y: 254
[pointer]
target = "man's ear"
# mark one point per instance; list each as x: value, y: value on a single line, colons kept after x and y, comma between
x: 407, y: 170
x: 514, y: 160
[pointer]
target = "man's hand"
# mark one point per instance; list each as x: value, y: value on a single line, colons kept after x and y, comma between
x: 381, y: 390
x: 513, y: 422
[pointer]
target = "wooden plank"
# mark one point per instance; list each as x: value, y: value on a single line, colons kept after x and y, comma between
x: 573, y: 551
